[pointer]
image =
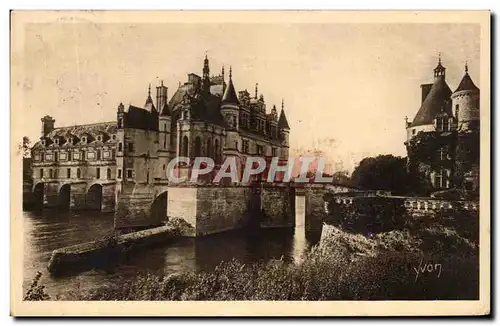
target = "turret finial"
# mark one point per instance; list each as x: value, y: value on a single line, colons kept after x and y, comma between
x: 230, y: 72
x: 149, y: 89
x: 439, y: 58
x: 256, y: 90
x: 466, y: 67
x: 222, y: 72
x: 282, y: 103
x: 162, y: 82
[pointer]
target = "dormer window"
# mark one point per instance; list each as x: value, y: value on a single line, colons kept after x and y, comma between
x: 84, y: 140
x: 43, y: 142
x: 99, y: 138
x: 56, y: 140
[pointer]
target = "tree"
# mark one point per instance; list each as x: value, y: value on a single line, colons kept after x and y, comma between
x: 25, y: 150
x: 389, y: 172
x: 341, y: 178
x: 25, y: 147
x: 384, y: 172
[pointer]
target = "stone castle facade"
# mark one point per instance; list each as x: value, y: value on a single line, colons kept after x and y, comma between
x: 443, y: 138
x: 121, y: 165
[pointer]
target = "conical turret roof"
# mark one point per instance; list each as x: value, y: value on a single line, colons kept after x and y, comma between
x: 466, y: 84
x: 282, y: 122
x: 230, y: 96
x: 437, y: 101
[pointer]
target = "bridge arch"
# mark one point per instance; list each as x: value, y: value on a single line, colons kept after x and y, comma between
x: 93, y: 197
x: 38, y: 193
x: 158, y: 211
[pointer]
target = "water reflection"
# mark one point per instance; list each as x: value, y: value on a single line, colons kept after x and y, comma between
x: 46, y: 231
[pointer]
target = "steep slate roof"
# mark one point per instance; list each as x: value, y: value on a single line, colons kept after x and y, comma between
x: 438, y: 99
x: 140, y: 119
x: 79, y: 130
x: 282, y: 122
x: 466, y: 84
x: 166, y: 110
x: 206, y: 107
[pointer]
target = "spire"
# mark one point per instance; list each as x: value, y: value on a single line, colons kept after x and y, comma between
x: 206, y: 68
x: 230, y: 96
x: 282, y: 122
x: 439, y: 71
x: 282, y: 103
x: 149, y: 100
x: 466, y: 67
x: 256, y: 90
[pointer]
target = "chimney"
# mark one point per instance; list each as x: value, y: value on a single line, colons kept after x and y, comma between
x: 426, y: 88
x: 47, y: 125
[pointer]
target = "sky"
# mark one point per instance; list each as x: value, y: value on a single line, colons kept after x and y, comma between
x: 346, y: 87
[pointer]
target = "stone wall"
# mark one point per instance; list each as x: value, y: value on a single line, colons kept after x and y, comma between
x: 134, y: 207
x: 182, y: 204
x: 77, y: 197
x: 222, y: 208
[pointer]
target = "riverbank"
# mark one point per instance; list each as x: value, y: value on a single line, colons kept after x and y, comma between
x: 409, y: 264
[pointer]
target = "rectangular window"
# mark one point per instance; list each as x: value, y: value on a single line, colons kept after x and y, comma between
x: 130, y: 174
x: 48, y: 157
x: 98, y: 173
x: 76, y: 156
x: 56, y: 174
x: 63, y: 156
x: 130, y: 147
x: 68, y: 173
x: 106, y: 154
x: 274, y: 152
x: 119, y: 173
x: 90, y: 155
x: 41, y: 173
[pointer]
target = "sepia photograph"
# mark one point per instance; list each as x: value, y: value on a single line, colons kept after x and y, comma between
x: 263, y: 163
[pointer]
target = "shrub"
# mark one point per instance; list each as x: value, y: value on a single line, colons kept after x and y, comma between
x: 36, y: 292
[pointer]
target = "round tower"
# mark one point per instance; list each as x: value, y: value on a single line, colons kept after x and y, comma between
x: 465, y: 102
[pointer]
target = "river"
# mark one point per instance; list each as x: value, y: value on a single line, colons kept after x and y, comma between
x: 48, y: 230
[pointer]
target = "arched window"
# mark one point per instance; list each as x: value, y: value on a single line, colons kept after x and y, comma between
x: 108, y: 173
x: 98, y: 173
x: 197, y: 147
x: 185, y: 144
x: 120, y: 147
x: 41, y: 173
x: 209, y: 147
